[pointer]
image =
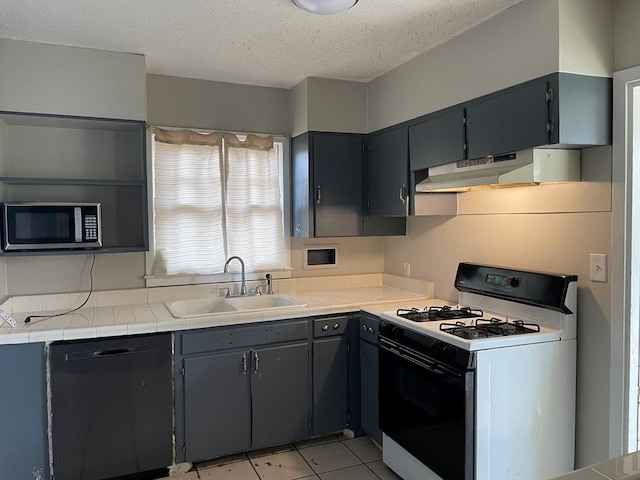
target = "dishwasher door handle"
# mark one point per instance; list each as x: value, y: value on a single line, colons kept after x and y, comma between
x: 111, y: 352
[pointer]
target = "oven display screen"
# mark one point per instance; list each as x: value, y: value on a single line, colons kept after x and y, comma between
x: 497, y: 280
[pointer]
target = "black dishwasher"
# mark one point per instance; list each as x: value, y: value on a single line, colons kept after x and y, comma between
x: 111, y: 406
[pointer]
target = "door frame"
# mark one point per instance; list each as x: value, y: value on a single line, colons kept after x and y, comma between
x: 625, y: 296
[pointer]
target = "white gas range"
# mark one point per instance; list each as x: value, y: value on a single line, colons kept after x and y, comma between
x: 485, y: 389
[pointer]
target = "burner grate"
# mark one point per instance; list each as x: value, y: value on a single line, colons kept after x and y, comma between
x: 434, y: 313
x: 493, y: 327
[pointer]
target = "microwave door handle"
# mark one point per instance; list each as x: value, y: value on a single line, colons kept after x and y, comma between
x: 77, y: 213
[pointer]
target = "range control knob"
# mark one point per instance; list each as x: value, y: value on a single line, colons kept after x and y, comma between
x: 514, y: 282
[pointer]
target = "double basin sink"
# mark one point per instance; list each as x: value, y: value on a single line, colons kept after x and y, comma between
x: 201, y: 307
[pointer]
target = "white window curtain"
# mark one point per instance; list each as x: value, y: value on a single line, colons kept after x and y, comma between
x: 216, y: 195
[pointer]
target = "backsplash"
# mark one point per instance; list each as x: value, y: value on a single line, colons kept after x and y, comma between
x: 137, y: 296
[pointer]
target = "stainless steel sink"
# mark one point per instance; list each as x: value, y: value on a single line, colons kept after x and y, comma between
x: 202, y: 307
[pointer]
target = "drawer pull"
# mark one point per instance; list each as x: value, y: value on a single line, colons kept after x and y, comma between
x: 336, y: 326
x: 325, y: 328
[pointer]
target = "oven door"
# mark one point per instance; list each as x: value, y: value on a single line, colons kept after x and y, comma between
x: 427, y: 408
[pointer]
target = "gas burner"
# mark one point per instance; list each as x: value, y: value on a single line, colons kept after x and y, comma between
x: 438, y: 313
x: 493, y: 327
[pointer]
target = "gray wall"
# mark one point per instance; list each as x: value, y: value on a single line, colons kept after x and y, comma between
x: 186, y: 102
x: 627, y: 34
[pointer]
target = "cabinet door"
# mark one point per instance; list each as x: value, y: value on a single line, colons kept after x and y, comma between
x: 369, y: 390
x: 23, y: 412
x: 330, y: 385
x: 337, y: 186
x: 301, y: 187
x: 280, y: 394
x: 217, y: 406
x: 386, y: 170
x: 510, y: 120
x: 438, y: 139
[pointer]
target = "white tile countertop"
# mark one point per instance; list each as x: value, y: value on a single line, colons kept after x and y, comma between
x: 626, y: 467
x: 128, y: 312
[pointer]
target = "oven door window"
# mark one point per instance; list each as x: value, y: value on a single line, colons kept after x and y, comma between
x: 429, y: 414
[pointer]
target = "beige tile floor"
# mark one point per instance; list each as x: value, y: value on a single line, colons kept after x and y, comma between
x: 326, y: 458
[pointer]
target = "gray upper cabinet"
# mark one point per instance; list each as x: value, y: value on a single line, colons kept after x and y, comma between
x: 386, y: 171
x: 562, y: 109
x: 509, y: 120
x: 326, y: 184
x: 438, y: 139
x: 23, y: 412
x: 558, y: 109
x: 581, y: 110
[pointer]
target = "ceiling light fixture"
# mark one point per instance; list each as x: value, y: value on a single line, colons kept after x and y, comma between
x: 325, y: 7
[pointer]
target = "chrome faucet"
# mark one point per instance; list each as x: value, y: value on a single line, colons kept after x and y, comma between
x: 243, y: 287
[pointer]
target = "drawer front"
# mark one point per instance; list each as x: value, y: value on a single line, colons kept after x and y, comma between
x: 330, y: 326
x: 226, y: 338
x: 369, y: 328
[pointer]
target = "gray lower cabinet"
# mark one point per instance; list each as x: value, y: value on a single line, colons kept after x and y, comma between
x: 241, y: 388
x: 330, y: 375
x: 369, y: 376
x: 23, y: 412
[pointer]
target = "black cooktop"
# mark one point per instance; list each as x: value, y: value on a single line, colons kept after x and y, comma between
x: 433, y: 314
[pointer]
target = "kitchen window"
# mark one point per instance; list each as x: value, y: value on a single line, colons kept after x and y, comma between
x: 215, y: 195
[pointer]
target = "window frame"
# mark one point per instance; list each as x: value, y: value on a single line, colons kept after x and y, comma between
x: 152, y: 280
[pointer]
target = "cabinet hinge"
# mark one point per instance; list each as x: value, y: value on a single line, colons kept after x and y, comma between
x: 182, y: 370
x: 549, y: 127
x: 549, y: 95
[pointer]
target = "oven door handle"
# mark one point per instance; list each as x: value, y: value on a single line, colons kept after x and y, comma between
x: 430, y: 366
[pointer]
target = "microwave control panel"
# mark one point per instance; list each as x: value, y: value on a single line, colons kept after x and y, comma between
x: 91, y: 228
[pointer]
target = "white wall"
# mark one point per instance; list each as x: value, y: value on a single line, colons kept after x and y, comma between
x: 627, y: 34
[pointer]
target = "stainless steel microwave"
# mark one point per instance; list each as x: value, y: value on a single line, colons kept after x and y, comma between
x: 50, y: 226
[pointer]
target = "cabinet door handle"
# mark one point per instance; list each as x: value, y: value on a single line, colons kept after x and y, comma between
x: 244, y: 363
x: 319, y: 194
x: 403, y: 194
x: 256, y: 361
x: 325, y: 327
x: 336, y: 326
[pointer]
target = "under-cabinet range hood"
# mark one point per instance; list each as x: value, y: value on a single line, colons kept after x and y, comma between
x: 526, y: 167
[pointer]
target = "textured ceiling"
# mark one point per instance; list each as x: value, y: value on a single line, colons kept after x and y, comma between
x: 255, y: 42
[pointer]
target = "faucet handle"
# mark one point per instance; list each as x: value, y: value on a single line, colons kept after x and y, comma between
x: 269, y: 286
x: 259, y: 289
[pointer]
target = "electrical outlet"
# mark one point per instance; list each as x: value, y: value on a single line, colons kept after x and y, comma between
x: 598, y: 267
x: 406, y: 270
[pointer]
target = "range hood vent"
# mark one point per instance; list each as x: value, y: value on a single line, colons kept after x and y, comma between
x: 526, y: 167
